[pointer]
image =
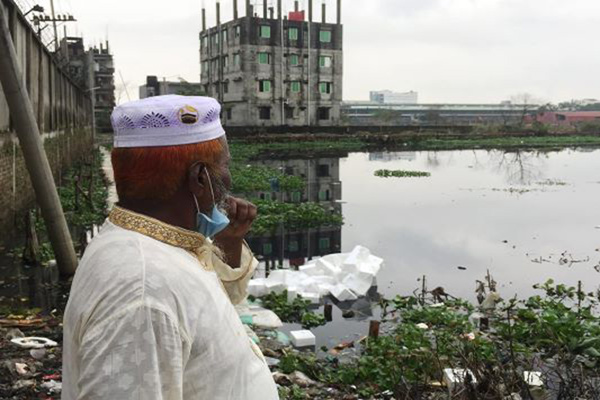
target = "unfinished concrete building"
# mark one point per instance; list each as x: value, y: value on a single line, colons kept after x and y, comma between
x: 272, y: 70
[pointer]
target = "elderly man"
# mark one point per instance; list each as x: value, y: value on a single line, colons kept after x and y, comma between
x: 151, y: 312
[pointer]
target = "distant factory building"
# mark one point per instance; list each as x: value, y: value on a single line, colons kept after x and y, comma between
x: 389, y: 97
x: 154, y: 87
x: 274, y: 70
x: 369, y: 113
x: 565, y: 117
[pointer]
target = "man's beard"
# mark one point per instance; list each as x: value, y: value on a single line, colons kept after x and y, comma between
x: 224, y: 194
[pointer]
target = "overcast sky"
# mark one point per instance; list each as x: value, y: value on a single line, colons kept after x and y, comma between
x: 448, y: 50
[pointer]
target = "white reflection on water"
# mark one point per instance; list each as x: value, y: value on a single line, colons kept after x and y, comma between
x: 462, y: 214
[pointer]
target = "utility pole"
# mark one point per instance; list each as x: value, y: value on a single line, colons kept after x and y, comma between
x: 21, y: 112
x: 54, y: 25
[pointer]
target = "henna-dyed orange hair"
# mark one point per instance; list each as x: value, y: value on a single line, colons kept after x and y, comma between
x: 156, y: 173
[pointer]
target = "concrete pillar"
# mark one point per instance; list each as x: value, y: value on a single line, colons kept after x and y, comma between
x: 310, y: 10
x: 203, y: 20
x: 324, y: 13
x: 339, y: 12
x: 248, y: 9
x: 271, y: 12
x: 296, y: 6
x: 279, y: 9
x: 265, y: 9
x: 218, y: 14
x: 235, y: 9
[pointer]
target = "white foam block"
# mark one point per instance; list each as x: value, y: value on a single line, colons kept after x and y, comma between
x: 292, y: 293
x: 358, y: 283
x: 257, y: 287
x: 328, y: 268
x: 342, y: 293
x: 357, y: 255
x: 310, y: 269
x: 275, y: 287
x: 314, y: 298
x: 302, y: 338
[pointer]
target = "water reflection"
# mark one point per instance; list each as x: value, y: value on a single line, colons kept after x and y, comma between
x: 323, y: 186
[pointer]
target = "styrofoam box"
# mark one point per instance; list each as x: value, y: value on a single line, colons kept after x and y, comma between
x: 314, y: 298
x: 302, y: 338
x: 342, y: 293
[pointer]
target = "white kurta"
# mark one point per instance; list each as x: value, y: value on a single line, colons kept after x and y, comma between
x: 146, y: 320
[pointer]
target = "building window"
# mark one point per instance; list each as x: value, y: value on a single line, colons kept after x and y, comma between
x: 289, y: 112
x: 264, y: 58
x: 236, y: 59
x: 225, y: 61
x: 204, y: 41
x: 293, y: 33
x: 325, y: 61
x: 264, y: 113
x: 323, y: 170
x: 324, y: 243
x: 325, y: 87
x: 225, y: 35
x: 325, y: 36
x: 204, y: 66
x: 225, y: 87
x: 295, y: 86
x: 296, y: 197
x: 294, y: 60
x: 264, y: 86
x: 265, y: 31
x: 323, y: 113
x: 322, y: 195
x: 267, y: 249
x: 229, y: 113
x: 293, y: 245
x: 237, y: 31
x: 216, y: 38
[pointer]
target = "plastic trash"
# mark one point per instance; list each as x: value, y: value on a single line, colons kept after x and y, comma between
x: 34, y: 342
x: 454, y: 378
x: 52, y: 386
x: 257, y: 287
x: 22, y: 369
x: 302, y: 338
x: 258, y: 316
x: 314, y: 298
x: 342, y: 293
x: 422, y: 326
x: 355, y: 271
x: 359, y: 283
x: 533, y: 378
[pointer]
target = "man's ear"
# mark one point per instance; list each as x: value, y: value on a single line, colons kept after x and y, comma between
x: 197, y: 179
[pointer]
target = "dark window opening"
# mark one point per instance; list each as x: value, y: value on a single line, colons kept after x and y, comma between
x: 323, y: 170
x: 264, y: 113
x: 289, y: 112
x: 323, y: 113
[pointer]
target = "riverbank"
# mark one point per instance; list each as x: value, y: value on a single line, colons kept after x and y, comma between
x: 302, y: 145
x: 545, y: 345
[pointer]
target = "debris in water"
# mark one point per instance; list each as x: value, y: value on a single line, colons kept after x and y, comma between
x: 462, y: 268
x: 34, y: 342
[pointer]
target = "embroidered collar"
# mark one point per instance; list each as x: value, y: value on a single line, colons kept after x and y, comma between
x: 156, y: 229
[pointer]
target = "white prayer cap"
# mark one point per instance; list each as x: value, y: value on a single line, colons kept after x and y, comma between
x: 166, y: 121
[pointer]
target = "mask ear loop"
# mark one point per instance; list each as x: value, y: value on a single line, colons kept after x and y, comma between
x: 212, y: 193
x: 210, y: 185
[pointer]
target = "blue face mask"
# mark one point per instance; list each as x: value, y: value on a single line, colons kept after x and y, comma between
x: 209, y: 226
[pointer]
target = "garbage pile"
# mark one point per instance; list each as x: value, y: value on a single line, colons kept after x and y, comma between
x: 345, y: 276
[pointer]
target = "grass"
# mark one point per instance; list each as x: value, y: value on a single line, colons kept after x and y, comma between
x: 273, y: 145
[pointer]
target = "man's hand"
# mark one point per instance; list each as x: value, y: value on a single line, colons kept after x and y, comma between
x: 242, y: 214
